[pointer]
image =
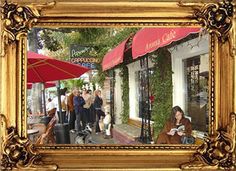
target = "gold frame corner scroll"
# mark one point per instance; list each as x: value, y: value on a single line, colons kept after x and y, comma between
x: 18, y: 152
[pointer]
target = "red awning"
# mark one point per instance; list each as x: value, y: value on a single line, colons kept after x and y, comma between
x: 149, y: 39
x: 114, y: 57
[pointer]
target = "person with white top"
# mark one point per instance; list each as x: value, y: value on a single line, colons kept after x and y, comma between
x: 50, y: 108
x: 50, y: 105
x: 107, y: 123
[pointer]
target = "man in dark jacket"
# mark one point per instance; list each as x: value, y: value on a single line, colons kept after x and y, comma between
x: 78, y: 107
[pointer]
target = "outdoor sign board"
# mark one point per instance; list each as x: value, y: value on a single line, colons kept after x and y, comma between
x: 79, y: 54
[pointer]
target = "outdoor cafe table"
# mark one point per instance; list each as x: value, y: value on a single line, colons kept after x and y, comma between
x: 32, y: 131
x: 34, y: 119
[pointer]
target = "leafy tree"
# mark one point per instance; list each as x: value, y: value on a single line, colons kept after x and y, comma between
x: 73, y: 83
x: 56, y: 42
x: 48, y: 40
x: 35, y: 103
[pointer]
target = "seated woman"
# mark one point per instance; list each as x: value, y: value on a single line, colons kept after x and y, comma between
x: 175, y: 128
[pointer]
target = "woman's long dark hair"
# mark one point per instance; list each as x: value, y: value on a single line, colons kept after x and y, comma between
x: 174, y: 110
x: 63, y: 91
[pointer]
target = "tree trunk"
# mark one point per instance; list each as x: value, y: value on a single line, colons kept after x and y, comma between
x: 36, y: 97
x: 36, y: 91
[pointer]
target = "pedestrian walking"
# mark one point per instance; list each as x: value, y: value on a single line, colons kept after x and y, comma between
x: 71, y: 110
x: 88, y: 101
x: 62, y: 118
x: 98, y: 109
x: 78, y: 107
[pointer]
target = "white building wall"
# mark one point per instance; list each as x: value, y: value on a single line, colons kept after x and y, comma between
x: 133, y: 90
x: 117, y: 97
x: 178, y: 53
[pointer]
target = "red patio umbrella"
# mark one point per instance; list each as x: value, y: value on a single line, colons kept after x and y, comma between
x: 42, y: 68
x: 46, y: 85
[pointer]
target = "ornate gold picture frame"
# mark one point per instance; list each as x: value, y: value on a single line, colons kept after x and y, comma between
x: 218, y: 150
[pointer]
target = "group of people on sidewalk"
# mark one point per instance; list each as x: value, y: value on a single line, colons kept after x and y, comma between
x: 80, y: 108
x: 85, y: 109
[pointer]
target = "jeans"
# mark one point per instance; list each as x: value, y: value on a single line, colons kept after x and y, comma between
x: 99, y: 113
x: 72, y: 120
x: 62, y: 117
x: 78, y: 120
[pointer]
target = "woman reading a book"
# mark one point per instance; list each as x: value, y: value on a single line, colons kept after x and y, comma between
x: 175, y: 128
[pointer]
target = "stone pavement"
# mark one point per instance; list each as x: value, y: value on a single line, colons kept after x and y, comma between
x: 99, y: 138
x: 126, y: 134
x: 121, y: 134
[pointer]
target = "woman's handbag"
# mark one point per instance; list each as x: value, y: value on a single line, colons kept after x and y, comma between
x: 63, y: 105
x: 187, y: 139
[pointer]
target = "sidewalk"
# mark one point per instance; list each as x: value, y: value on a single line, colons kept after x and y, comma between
x: 99, y: 138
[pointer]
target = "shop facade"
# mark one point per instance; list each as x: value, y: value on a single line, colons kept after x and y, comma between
x: 190, y: 67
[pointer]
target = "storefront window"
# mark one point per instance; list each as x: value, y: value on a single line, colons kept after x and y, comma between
x: 144, y: 100
x: 145, y: 96
x: 196, y: 78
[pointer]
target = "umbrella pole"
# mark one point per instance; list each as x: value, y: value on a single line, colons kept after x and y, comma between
x: 44, y: 101
x: 59, y: 101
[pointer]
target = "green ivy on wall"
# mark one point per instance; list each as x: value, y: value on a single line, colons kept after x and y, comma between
x: 125, y: 93
x: 161, y: 88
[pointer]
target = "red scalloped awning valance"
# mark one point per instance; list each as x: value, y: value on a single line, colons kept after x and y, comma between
x: 114, y: 57
x: 150, y: 39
